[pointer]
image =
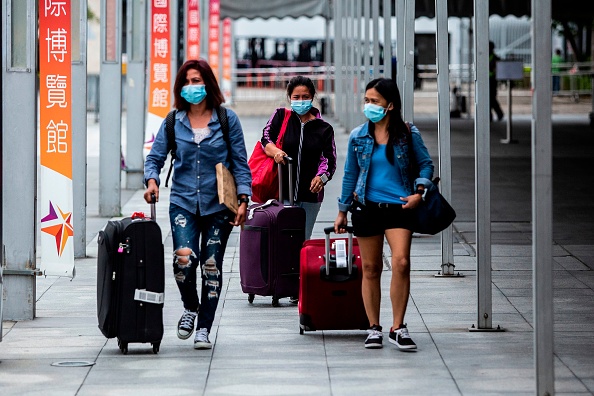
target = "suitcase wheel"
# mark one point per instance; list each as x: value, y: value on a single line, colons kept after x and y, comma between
x: 301, y: 331
x: 123, y: 347
x: 275, y: 302
x: 156, y: 346
x: 251, y: 297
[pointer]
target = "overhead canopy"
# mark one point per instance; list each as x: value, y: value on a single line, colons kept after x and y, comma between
x: 572, y: 10
x: 564, y: 10
x: 265, y: 9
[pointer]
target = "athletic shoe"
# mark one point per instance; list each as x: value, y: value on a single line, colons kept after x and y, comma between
x: 185, y: 326
x: 401, y: 338
x: 201, y: 340
x: 375, y: 337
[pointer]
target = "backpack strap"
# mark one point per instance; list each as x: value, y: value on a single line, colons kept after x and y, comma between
x: 171, y: 145
x: 224, y: 120
x: 170, y: 130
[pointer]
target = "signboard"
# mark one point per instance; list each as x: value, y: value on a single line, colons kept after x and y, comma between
x: 193, y: 30
x: 509, y: 70
x: 227, y: 60
x: 213, y: 36
x: 56, y: 202
x: 159, y: 100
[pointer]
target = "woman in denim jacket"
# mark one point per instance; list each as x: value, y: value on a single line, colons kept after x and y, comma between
x: 200, y: 225
x: 380, y: 186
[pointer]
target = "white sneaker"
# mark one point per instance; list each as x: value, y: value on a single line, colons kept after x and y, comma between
x: 201, y: 340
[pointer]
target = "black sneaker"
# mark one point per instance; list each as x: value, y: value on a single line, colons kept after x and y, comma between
x: 185, y: 326
x: 375, y: 337
x: 401, y: 339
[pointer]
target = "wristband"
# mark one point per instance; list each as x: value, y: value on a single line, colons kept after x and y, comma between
x: 243, y: 199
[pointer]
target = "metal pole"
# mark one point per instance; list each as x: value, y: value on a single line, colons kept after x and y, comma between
x: 110, y: 88
x: 400, y: 16
x: 508, y: 122
x: 338, y: 89
x: 409, y: 60
x: 349, y: 8
x: 482, y: 154
x: 367, y: 45
x: 375, y: 31
x: 327, y: 63
x: 136, y: 92
x: 445, y: 160
x: 388, y: 38
x: 542, y: 199
x: 79, y: 125
x: 361, y: 50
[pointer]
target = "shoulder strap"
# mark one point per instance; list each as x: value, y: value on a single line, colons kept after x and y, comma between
x: 224, y: 120
x: 281, y: 134
x: 171, y: 144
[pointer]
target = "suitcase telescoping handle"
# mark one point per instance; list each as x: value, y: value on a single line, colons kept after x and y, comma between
x: 153, y: 207
x: 289, y: 161
x: 329, y: 230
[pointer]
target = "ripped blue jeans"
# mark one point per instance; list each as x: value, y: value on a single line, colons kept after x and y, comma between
x: 190, y: 252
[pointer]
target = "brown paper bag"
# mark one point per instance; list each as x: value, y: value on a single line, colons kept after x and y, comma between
x: 226, y: 187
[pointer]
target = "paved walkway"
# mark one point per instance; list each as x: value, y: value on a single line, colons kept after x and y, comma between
x: 258, y: 349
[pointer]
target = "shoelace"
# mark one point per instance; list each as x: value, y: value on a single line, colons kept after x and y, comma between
x: 404, y: 332
x: 374, y: 334
x: 202, y: 335
x: 187, y: 319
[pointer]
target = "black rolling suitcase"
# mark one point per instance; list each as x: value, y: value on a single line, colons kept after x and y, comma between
x: 131, y: 281
x: 269, y: 247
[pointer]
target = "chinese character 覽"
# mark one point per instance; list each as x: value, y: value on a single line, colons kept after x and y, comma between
x: 56, y: 90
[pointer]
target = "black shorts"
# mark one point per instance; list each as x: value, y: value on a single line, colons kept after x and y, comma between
x: 375, y: 218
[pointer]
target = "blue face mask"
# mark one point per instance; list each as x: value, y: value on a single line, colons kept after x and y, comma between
x: 193, y: 94
x: 301, y: 106
x: 374, y: 112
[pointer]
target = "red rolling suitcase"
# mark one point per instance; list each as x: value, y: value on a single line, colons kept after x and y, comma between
x: 131, y: 281
x: 269, y: 247
x: 330, y: 288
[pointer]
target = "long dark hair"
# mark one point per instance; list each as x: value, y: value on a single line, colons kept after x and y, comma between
x: 214, y: 97
x: 397, y: 129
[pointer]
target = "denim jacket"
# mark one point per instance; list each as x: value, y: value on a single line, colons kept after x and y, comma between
x: 358, y: 160
x: 194, y: 182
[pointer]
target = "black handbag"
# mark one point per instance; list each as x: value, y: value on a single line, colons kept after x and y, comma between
x: 434, y: 214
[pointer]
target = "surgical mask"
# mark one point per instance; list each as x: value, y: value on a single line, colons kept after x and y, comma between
x: 193, y: 94
x: 301, y: 106
x: 374, y: 112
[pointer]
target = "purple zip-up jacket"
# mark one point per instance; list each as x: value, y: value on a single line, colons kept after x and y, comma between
x: 312, y: 147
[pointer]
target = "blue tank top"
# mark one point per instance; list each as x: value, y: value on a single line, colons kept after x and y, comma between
x: 384, y: 182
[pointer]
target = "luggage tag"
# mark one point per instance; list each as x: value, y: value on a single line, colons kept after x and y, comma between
x: 341, y: 255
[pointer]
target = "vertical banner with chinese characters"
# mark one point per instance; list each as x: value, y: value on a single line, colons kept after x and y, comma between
x: 56, y: 202
x: 193, y: 30
x: 213, y: 36
x: 227, y: 61
x: 159, y: 100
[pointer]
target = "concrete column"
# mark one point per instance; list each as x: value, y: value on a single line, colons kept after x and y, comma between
x: 19, y: 152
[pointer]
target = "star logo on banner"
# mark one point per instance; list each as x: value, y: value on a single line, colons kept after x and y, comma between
x: 61, y: 228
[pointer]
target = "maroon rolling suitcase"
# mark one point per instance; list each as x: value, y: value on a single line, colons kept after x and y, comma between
x: 330, y: 285
x: 269, y: 247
